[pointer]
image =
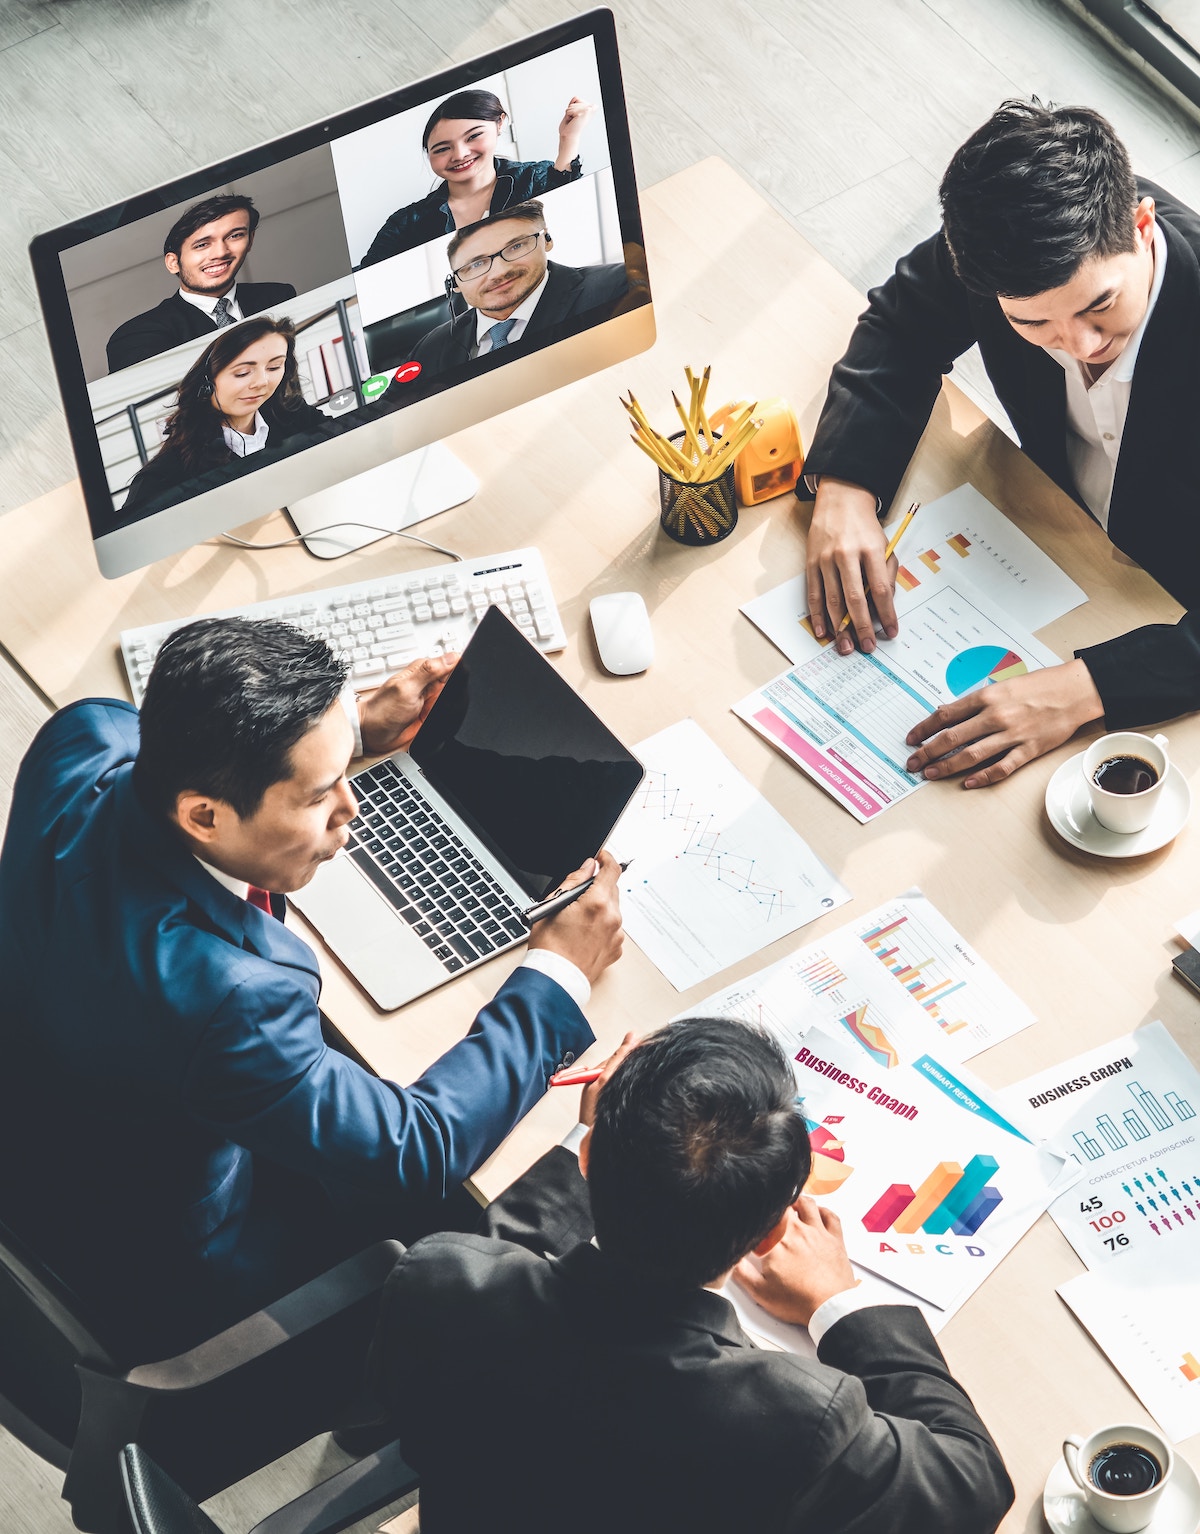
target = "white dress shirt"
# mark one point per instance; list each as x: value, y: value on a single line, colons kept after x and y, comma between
x: 553, y: 965
x: 520, y: 316
x: 1096, y: 411
x: 242, y: 444
x: 206, y: 303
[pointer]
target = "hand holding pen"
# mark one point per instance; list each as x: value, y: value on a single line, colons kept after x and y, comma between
x: 582, y: 921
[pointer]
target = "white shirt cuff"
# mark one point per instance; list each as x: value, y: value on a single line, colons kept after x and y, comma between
x: 574, y: 1139
x: 568, y: 975
x: 835, y: 1307
x: 349, y: 702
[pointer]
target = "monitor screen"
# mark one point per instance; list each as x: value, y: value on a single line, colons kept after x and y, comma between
x: 308, y: 310
x: 515, y: 750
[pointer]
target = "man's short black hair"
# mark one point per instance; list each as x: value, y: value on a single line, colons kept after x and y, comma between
x: 697, y: 1150
x: 530, y: 212
x: 227, y: 700
x: 1032, y: 195
x: 207, y: 212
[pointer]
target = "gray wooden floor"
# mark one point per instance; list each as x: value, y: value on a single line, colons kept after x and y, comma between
x: 843, y: 111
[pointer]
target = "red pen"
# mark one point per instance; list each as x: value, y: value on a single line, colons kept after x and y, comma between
x: 583, y: 1078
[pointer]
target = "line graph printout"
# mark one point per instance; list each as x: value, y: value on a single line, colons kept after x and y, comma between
x: 960, y: 535
x: 900, y: 982
x: 717, y: 873
x: 843, y: 718
x: 1128, y: 1113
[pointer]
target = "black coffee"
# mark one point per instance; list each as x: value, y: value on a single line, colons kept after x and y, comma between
x: 1125, y: 1470
x: 1125, y: 775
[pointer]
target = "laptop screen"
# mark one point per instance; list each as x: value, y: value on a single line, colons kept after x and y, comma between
x: 520, y: 756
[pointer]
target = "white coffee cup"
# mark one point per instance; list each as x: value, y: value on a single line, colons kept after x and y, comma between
x: 1112, y: 1510
x: 1126, y: 812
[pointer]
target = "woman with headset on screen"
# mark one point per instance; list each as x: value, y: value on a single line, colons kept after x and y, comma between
x: 474, y: 181
x: 240, y: 396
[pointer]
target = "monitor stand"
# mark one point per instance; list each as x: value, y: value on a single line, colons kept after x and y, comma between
x: 391, y: 497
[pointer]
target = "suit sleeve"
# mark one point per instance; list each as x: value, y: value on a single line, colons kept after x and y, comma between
x: 136, y: 341
x: 916, y: 1456
x: 263, y: 1076
x: 1149, y: 674
x: 883, y: 390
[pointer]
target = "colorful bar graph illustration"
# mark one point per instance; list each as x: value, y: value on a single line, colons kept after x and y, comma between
x: 931, y: 559
x: 961, y: 544
x: 1190, y: 1367
x: 872, y: 1038
x: 821, y: 974
x: 906, y: 580
x: 884, y: 943
x: 952, y: 1198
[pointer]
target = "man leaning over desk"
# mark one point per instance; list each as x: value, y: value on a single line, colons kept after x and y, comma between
x: 1081, y: 286
x: 176, y: 1137
x: 612, y: 1388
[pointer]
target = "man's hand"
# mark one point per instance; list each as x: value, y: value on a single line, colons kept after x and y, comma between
x: 591, y: 1093
x: 1014, y: 721
x: 846, y: 568
x: 588, y: 931
x: 803, y: 1270
x: 392, y: 714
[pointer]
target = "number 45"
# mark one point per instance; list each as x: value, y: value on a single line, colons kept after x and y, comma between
x: 1092, y: 1203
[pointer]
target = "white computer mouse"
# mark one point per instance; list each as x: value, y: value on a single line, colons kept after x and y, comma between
x: 621, y: 625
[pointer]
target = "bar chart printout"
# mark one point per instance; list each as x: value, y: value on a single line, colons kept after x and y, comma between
x: 1128, y: 1113
x: 941, y: 1186
x: 1148, y: 1323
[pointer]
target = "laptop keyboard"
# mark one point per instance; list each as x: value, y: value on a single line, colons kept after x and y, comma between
x: 428, y: 873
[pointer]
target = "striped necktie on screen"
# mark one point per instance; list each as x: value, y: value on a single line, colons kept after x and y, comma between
x: 221, y: 315
x: 499, y: 333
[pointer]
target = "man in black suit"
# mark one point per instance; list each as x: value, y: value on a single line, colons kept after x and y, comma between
x: 1081, y: 285
x: 612, y: 1388
x: 205, y: 249
x: 511, y: 289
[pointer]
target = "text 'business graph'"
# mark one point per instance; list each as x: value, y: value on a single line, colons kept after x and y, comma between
x: 708, y: 847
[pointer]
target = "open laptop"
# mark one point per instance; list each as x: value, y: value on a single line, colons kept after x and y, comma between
x: 510, y: 784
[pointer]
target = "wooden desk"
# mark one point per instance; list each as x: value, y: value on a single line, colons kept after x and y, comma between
x: 1086, y: 943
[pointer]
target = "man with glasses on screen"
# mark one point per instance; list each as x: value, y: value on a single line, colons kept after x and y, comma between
x: 501, y: 268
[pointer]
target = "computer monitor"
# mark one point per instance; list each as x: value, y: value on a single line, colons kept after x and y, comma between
x: 301, y: 324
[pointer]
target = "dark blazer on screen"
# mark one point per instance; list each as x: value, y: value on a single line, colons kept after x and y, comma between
x: 175, y: 320
x: 531, y: 1367
x: 883, y: 390
x: 165, y: 1070
x: 570, y: 290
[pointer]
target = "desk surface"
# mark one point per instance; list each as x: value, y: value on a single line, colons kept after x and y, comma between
x: 1086, y: 943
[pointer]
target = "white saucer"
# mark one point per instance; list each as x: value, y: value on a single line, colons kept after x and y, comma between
x: 1070, y: 812
x: 1178, y: 1512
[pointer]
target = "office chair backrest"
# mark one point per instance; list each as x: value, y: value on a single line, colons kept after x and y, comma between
x: 156, y: 1504
x: 44, y: 1333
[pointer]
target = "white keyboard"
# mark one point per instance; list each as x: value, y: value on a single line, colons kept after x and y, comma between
x: 380, y: 625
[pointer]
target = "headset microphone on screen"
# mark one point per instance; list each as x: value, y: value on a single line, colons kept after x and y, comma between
x: 206, y: 387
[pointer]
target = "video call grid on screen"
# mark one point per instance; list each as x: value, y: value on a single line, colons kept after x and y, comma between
x: 321, y: 197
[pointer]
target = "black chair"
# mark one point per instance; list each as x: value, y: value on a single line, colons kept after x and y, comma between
x: 390, y: 342
x: 158, y: 1506
x: 211, y: 1415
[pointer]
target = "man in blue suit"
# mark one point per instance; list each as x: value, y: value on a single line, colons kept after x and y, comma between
x: 175, y: 1135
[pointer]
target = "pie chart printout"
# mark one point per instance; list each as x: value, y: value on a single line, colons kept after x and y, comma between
x: 829, y: 1169
x: 980, y: 665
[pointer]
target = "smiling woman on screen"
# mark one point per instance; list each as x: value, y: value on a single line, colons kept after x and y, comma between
x: 460, y: 141
x: 241, y: 394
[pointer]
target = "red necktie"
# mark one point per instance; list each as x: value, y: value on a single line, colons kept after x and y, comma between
x: 260, y: 898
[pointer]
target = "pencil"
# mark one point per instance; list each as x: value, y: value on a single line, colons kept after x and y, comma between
x: 892, y: 543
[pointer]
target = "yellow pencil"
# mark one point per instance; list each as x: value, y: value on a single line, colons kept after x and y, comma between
x: 892, y: 545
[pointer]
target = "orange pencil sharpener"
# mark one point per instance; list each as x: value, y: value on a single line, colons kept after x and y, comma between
x: 773, y: 460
